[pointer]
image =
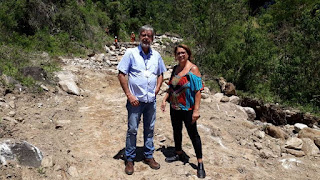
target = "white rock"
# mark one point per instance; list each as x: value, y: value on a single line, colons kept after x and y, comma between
x: 204, y: 96
x: 294, y: 143
x: 107, y: 49
x: 299, y: 126
x: 260, y: 134
x: 12, y: 104
x: 108, y: 62
x: 208, y: 100
x: 250, y: 112
x: 224, y: 99
x: 73, y: 171
x: 234, y: 99
x: 100, y: 57
x: 44, y: 87
x: 217, y: 97
x: 70, y: 87
x: 66, y: 75
x: 47, y: 161
x: 12, y: 113
x: 258, y: 145
x: 206, y: 90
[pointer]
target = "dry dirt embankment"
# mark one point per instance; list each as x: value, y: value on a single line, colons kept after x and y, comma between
x: 82, y: 137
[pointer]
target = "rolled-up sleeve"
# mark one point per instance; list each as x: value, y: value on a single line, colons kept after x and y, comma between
x: 161, y: 67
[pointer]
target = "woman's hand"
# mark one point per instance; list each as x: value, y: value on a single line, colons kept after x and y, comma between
x: 195, y: 116
x: 163, y: 106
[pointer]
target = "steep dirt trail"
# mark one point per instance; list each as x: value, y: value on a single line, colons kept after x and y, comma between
x: 222, y: 126
x: 89, y: 142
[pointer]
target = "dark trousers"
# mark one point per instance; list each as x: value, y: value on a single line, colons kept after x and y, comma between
x: 179, y: 116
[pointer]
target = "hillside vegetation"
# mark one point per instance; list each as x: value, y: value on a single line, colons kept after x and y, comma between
x: 266, y: 48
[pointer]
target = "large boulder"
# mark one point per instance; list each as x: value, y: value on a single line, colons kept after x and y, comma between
x: 276, y: 132
x: 310, y: 133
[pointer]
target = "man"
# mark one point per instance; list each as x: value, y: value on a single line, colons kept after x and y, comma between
x: 144, y: 67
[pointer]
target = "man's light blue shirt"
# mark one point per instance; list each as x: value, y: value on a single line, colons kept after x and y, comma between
x: 143, y: 71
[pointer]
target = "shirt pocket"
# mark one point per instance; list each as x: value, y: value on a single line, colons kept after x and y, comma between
x: 153, y: 68
x: 137, y: 68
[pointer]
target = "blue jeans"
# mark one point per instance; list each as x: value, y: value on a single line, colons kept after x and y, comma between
x: 149, y: 117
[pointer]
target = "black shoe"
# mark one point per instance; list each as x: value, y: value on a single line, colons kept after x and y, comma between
x: 201, y: 173
x: 178, y: 157
x: 172, y: 158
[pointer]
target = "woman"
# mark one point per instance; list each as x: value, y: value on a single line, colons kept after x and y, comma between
x: 184, y: 97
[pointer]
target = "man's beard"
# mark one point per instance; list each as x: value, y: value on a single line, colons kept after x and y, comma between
x: 144, y: 45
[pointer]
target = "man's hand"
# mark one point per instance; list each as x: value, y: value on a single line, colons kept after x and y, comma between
x: 133, y: 100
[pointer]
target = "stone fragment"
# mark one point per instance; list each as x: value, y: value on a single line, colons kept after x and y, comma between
x: 62, y: 123
x: 299, y: 126
x: 250, y: 112
x: 206, y: 90
x: 70, y: 87
x: 309, y: 148
x: 73, y: 172
x: 259, y: 134
x: 296, y: 153
x: 47, y: 162
x: 234, y: 99
x: 12, y: 113
x: 44, y: 87
x: 294, y: 143
x: 217, y: 97
x: 266, y: 154
x: 12, y: 104
x: 225, y: 99
x: 204, y: 96
x: 10, y: 119
x: 258, y: 145
x: 208, y: 100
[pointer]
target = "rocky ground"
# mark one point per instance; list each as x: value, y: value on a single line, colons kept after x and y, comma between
x: 83, y: 136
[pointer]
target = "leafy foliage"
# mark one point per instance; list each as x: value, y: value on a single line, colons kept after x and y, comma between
x: 271, y: 51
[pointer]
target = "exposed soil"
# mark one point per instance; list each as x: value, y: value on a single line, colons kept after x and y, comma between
x: 83, y: 137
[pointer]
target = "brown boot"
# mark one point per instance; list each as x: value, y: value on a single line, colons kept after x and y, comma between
x: 129, y: 167
x: 152, y: 163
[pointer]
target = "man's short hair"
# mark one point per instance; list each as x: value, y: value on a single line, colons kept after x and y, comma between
x: 147, y: 28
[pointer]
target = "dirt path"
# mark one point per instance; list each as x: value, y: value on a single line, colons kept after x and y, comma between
x: 82, y: 137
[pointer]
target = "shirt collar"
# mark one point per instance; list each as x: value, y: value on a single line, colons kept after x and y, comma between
x: 142, y: 52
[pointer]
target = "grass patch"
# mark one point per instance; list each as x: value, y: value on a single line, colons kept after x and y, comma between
x: 168, y: 60
x: 212, y: 85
